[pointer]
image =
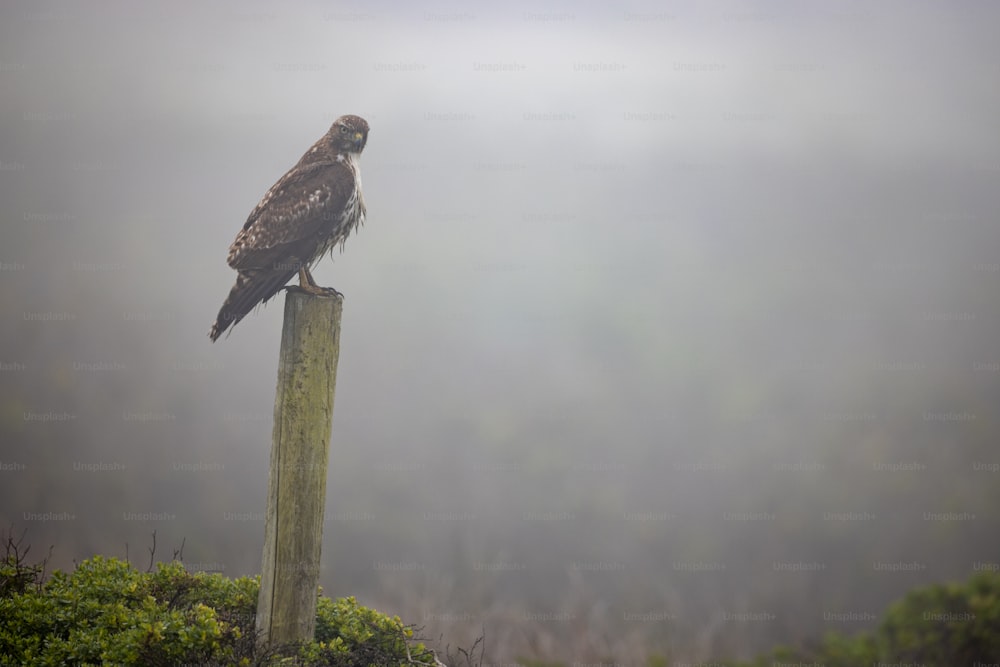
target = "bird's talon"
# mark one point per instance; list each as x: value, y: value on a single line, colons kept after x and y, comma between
x: 328, y: 291
x: 315, y: 290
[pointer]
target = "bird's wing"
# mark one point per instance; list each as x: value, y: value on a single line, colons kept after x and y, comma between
x: 295, y: 215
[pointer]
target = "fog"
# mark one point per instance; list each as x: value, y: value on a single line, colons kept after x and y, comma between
x: 664, y: 316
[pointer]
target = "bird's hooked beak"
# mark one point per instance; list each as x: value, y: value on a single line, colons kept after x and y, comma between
x: 359, y: 140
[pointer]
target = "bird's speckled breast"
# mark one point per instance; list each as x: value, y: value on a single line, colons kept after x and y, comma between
x: 353, y: 214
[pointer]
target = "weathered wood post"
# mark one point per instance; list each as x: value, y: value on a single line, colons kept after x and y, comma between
x: 296, y: 495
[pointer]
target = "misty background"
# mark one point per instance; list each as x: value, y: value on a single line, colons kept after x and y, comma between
x: 672, y: 328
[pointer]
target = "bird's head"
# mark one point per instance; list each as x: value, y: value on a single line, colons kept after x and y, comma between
x: 349, y: 134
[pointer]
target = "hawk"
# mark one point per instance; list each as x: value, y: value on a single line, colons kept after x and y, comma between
x: 310, y: 210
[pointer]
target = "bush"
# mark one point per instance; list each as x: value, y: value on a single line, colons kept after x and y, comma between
x: 948, y: 624
x: 936, y: 626
x: 106, y: 612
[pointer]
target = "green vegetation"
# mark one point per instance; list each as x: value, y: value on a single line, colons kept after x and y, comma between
x: 107, y: 612
x: 936, y: 626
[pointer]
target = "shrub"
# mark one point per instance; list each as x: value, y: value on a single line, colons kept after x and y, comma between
x: 941, y: 625
x: 946, y: 624
x: 106, y: 612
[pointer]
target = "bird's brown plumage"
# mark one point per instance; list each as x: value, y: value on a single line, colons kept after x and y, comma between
x: 310, y: 210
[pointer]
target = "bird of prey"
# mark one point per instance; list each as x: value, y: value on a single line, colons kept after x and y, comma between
x: 310, y: 210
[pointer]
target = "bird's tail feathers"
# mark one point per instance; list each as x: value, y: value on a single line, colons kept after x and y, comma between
x: 253, y: 286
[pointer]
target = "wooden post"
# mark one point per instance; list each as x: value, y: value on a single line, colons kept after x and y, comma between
x: 296, y: 495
